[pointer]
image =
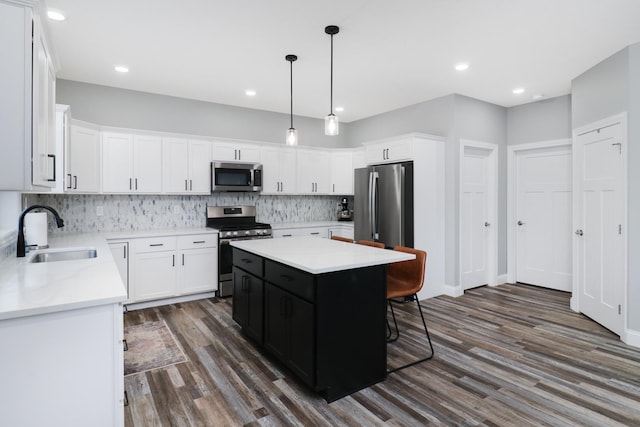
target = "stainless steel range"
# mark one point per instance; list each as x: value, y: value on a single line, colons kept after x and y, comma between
x: 233, y: 223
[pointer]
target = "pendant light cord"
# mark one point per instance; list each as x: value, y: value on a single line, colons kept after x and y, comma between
x: 331, y: 85
x: 291, y: 82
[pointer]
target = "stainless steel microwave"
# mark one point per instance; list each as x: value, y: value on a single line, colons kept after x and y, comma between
x: 236, y: 177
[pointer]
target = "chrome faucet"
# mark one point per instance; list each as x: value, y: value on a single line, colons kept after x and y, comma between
x: 21, y: 244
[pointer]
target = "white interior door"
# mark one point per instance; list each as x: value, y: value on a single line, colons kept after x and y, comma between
x: 600, y: 240
x: 543, y: 217
x: 476, y: 217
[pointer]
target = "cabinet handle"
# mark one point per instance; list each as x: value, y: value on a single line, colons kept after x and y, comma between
x: 334, y: 188
x: 185, y: 185
x: 53, y: 156
x: 69, y: 186
x: 199, y: 241
x: 246, y: 260
x: 136, y: 184
x: 190, y: 185
x: 286, y: 235
x: 130, y: 184
x: 75, y: 182
x: 124, y: 252
x: 182, y: 259
x: 125, y: 346
x: 174, y: 260
x: 239, y: 154
x: 156, y: 244
x: 315, y: 233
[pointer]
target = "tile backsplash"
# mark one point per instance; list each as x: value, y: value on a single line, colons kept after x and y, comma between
x: 137, y: 212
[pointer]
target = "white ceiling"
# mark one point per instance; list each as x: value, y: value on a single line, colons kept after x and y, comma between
x: 388, y: 54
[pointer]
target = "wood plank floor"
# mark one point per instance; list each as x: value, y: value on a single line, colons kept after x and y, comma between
x: 512, y: 355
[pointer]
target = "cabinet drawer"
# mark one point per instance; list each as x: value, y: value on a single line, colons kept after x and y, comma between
x: 295, y: 281
x: 155, y: 244
x: 198, y: 241
x: 248, y: 262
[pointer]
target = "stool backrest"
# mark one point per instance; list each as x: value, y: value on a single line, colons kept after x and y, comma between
x: 372, y: 244
x: 406, y: 278
x: 342, y: 239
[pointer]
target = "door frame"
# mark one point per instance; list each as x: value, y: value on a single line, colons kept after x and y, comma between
x: 512, y: 196
x: 492, y: 208
x: 621, y: 118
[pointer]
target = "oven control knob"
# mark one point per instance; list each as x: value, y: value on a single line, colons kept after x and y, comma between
x: 247, y: 232
x: 235, y: 233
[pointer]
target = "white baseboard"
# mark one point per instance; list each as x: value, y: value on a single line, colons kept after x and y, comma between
x: 502, y: 279
x: 167, y: 301
x: 631, y: 338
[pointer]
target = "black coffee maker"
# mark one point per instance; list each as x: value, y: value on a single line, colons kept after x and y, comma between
x: 345, y: 214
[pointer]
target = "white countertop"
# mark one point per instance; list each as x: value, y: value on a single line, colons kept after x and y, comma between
x: 28, y: 289
x: 315, y: 255
x: 285, y: 225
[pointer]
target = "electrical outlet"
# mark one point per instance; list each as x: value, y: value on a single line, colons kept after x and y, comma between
x: 99, y: 210
x: 176, y: 209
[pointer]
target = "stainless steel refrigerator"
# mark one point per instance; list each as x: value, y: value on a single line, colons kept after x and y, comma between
x: 383, y: 204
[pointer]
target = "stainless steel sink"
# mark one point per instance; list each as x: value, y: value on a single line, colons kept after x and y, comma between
x: 64, y: 254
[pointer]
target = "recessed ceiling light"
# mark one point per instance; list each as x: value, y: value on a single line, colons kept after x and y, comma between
x: 518, y: 90
x: 56, y: 15
x: 461, y: 66
x: 250, y: 92
x: 339, y: 109
x: 121, y: 69
x: 538, y: 96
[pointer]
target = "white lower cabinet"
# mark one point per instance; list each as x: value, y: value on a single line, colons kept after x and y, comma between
x: 343, y: 231
x: 120, y: 253
x: 70, y: 362
x: 199, y: 264
x: 165, y: 267
x: 301, y: 231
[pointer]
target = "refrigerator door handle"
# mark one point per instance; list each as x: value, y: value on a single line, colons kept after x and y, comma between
x: 402, y: 204
x: 374, y: 205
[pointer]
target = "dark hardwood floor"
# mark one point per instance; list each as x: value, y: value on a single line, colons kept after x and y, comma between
x: 512, y: 355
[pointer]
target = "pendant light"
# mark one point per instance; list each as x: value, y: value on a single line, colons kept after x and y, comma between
x: 331, y: 122
x: 292, y: 133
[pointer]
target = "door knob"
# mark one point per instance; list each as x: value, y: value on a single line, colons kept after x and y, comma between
x: 520, y: 223
x: 579, y: 232
x: 486, y: 224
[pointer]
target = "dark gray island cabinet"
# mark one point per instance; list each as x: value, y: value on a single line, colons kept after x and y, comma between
x: 325, y: 320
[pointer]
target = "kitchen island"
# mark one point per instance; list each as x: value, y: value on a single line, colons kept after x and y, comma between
x: 318, y: 306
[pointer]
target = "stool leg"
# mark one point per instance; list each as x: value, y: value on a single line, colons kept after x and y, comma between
x: 390, y: 337
x: 424, y: 323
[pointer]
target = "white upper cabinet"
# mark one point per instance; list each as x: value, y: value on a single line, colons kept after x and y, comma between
x: 27, y: 102
x: 312, y: 171
x: 82, y: 160
x: 186, y: 166
x: 131, y: 163
x: 278, y: 170
x: 388, y: 152
x: 224, y: 151
x: 341, y: 173
x: 44, y: 109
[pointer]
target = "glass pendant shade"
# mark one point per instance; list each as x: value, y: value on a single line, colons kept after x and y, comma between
x: 292, y: 137
x: 331, y: 125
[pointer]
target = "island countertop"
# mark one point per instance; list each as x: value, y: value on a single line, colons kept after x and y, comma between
x: 316, y: 256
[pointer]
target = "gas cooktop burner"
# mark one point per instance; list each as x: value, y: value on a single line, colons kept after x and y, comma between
x: 235, y: 222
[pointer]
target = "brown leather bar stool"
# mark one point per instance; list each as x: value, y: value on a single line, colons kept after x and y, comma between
x: 372, y: 244
x: 342, y: 239
x: 405, y: 279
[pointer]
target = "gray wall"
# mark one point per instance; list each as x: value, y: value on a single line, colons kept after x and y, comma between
x: 545, y: 120
x: 609, y: 88
x: 109, y: 106
x: 602, y: 91
x: 633, y: 201
x: 434, y: 117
